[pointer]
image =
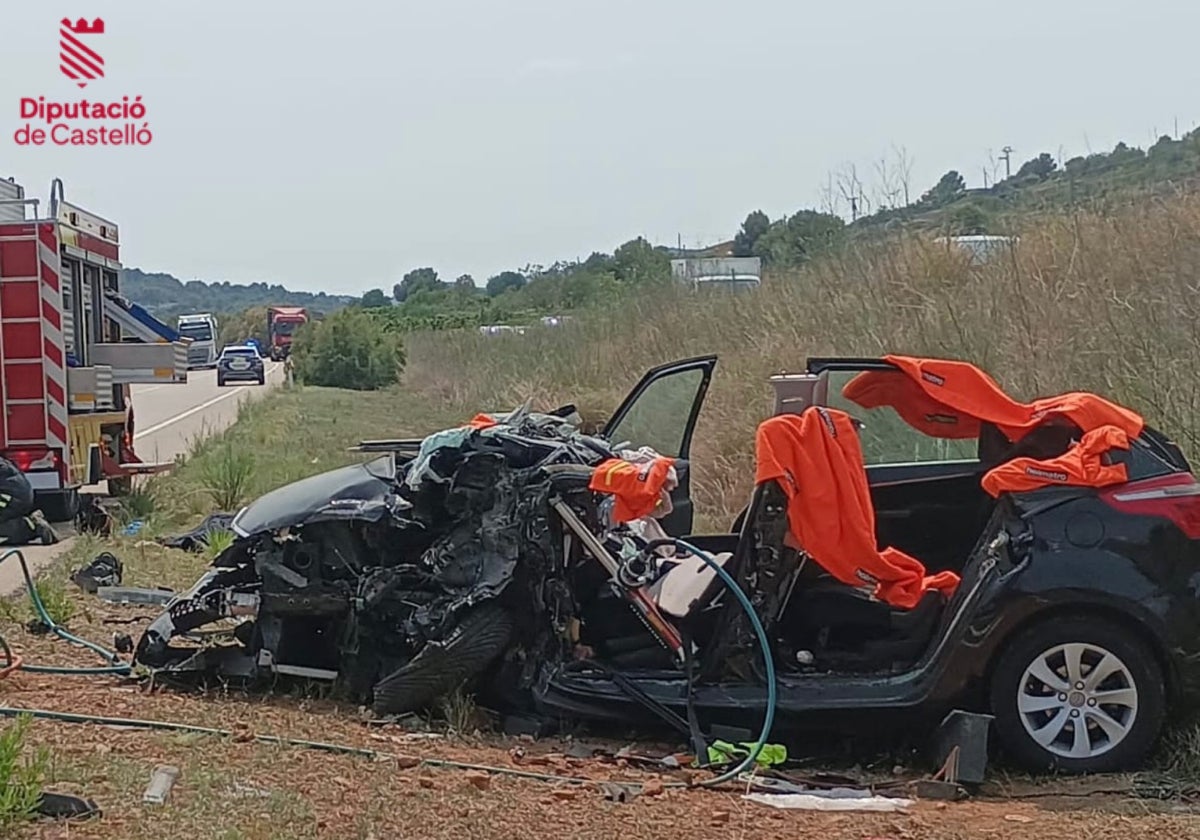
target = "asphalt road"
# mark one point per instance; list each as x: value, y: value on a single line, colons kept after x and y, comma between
x: 168, y: 420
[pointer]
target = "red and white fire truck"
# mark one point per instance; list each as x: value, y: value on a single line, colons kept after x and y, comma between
x: 70, y: 348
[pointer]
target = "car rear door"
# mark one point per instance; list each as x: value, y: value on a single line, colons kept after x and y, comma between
x: 661, y: 412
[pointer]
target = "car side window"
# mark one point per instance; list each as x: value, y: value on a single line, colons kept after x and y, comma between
x: 887, y: 439
x: 659, y: 417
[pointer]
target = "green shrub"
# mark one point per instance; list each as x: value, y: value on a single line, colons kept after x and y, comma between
x: 226, y: 473
x: 20, y: 775
x: 349, y: 349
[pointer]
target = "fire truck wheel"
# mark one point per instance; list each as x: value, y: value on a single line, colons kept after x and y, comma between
x: 60, y: 505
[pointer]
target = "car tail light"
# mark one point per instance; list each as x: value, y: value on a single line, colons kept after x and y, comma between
x: 29, y: 460
x: 1175, y: 497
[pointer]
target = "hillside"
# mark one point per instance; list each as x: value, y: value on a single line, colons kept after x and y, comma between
x: 885, y: 204
x: 167, y: 296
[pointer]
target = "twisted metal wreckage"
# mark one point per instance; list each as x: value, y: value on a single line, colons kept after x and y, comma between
x: 405, y: 576
x: 1032, y: 562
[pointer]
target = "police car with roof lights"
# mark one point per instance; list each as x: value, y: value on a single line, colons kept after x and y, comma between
x: 240, y: 362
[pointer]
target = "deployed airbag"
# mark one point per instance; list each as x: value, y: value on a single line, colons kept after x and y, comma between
x: 817, y: 459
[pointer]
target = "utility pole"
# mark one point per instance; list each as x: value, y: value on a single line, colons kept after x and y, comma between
x: 1006, y: 156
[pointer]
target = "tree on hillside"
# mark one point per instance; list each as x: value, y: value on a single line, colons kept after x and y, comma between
x: 639, y: 262
x: 756, y: 224
x: 503, y: 282
x: 414, y: 281
x: 799, y: 237
x: 949, y: 187
x: 966, y: 220
x: 1040, y: 167
x: 236, y: 328
x: 597, y: 262
x: 374, y: 299
x: 465, y: 281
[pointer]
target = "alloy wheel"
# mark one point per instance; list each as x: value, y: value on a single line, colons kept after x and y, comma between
x: 1077, y: 700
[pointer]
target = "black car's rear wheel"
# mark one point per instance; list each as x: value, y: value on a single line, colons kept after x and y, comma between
x: 1079, y: 695
x: 440, y: 668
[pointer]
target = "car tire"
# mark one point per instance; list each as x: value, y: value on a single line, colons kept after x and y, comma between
x: 1035, y: 721
x: 438, y: 669
x: 220, y: 382
x: 262, y: 380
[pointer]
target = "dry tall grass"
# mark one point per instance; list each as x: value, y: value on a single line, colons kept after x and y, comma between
x: 1108, y: 302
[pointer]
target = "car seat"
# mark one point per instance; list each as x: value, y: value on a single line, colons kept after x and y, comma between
x: 818, y: 609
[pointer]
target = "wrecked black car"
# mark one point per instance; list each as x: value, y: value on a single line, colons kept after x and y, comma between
x: 916, y: 541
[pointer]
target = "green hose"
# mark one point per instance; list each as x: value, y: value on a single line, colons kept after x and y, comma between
x: 116, y: 666
x: 764, y: 645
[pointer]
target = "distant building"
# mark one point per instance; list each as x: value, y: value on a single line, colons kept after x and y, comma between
x: 981, y: 247
x: 718, y: 272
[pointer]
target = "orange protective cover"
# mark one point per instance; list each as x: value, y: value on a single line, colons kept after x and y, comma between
x: 636, y: 487
x: 817, y: 460
x: 1081, y: 466
x: 949, y: 399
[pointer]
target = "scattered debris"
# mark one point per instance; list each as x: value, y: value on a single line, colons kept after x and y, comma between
x: 1018, y: 818
x: 938, y: 790
x: 959, y: 747
x: 62, y: 806
x: 565, y: 794
x: 197, y: 538
x: 97, y: 514
x: 104, y: 570
x: 126, y: 595
x: 617, y: 792
x: 123, y: 642
x: 652, y: 786
x: 244, y: 791
x: 723, y: 752
x: 161, y: 782
x: 820, y: 801
x: 719, y: 817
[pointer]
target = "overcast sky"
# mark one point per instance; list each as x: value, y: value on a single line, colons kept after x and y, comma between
x: 335, y: 145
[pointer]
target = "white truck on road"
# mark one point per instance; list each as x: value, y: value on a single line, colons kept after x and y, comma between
x: 201, y: 328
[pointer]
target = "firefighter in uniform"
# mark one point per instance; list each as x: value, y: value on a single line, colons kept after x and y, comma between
x: 20, y: 522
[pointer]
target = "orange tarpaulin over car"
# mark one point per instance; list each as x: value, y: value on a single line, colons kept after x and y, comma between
x: 637, y: 488
x: 817, y: 460
x: 1081, y: 466
x: 949, y: 399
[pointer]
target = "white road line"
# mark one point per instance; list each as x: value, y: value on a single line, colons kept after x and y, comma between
x: 194, y: 409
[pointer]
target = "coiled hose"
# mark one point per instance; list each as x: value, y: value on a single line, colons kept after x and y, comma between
x: 115, y: 666
x: 768, y: 661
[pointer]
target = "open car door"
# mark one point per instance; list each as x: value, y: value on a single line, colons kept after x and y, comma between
x: 660, y: 412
